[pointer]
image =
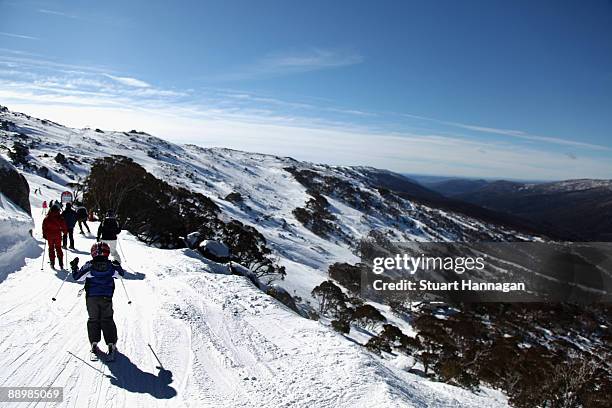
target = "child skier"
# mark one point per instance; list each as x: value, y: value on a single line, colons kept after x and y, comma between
x: 99, y: 274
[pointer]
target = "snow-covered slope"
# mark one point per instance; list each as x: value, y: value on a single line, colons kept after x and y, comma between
x: 269, y: 188
x: 193, y: 336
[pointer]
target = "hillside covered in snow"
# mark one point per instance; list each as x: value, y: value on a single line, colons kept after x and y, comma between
x: 198, y: 335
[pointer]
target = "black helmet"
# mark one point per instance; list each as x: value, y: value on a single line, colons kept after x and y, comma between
x: 55, y: 207
x: 68, y: 206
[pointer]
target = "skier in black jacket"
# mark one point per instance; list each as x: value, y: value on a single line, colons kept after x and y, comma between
x: 82, y: 219
x: 70, y: 216
x: 107, y: 233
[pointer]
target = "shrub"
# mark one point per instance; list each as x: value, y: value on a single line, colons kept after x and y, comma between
x: 367, y: 316
x: 19, y: 154
x: 341, y: 326
x: 317, y: 217
x: 347, y: 275
x: 234, y: 197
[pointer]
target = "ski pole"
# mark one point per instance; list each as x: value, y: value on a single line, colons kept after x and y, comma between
x: 60, y: 288
x: 125, y: 290
x: 67, y: 257
x: 42, y: 266
x: 161, y: 366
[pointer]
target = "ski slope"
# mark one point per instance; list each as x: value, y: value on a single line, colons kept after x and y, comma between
x: 220, y: 341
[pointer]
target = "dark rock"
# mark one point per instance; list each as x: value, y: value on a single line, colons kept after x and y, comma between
x: 14, y: 186
x: 234, y: 197
x: 61, y: 159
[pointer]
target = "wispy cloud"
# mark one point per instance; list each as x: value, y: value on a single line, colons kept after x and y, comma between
x: 57, y: 13
x: 21, y: 36
x: 129, y: 81
x: 512, y: 133
x: 285, y: 63
x: 245, y: 120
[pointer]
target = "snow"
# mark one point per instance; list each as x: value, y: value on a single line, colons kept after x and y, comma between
x: 220, y: 340
x: 15, y: 240
x: 215, y: 248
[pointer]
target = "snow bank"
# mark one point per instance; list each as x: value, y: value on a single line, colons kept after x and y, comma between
x: 16, y: 242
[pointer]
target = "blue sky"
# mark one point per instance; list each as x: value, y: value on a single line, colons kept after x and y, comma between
x: 517, y: 89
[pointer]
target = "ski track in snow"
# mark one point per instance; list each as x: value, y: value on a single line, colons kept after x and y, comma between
x: 221, y: 343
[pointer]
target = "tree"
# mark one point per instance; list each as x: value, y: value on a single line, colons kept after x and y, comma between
x: 341, y: 326
x: 392, y: 338
x: 347, y: 275
x: 111, y: 181
x: 329, y: 297
x: 367, y: 316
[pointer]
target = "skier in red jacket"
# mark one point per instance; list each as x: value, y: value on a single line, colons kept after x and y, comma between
x: 53, y: 227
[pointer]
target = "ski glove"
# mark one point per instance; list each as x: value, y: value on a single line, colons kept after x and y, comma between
x: 74, y: 264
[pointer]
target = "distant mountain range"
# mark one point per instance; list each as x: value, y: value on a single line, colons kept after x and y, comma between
x: 575, y: 209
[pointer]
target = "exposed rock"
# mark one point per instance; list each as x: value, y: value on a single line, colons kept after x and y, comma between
x: 61, y: 159
x: 14, y: 186
x: 234, y: 197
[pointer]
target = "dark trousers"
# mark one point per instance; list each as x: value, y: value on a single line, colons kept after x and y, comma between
x: 81, y: 223
x: 69, y: 234
x: 100, y: 310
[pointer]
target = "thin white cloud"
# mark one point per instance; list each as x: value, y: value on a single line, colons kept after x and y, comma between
x: 58, y: 13
x: 248, y: 121
x: 313, y: 59
x: 513, y: 133
x: 21, y: 36
x: 128, y: 81
x: 35, y: 63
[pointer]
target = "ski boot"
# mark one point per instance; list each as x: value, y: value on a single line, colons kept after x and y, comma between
x: 94, y: 352
x: 112, y: 351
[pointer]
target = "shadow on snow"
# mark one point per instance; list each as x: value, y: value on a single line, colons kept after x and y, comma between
x: 125, y: 374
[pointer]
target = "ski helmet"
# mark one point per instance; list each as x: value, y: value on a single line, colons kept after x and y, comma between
x: 55, y: 207
x: 100, y: 249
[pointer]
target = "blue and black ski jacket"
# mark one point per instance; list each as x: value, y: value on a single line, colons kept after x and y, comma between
x: 98, y: 275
